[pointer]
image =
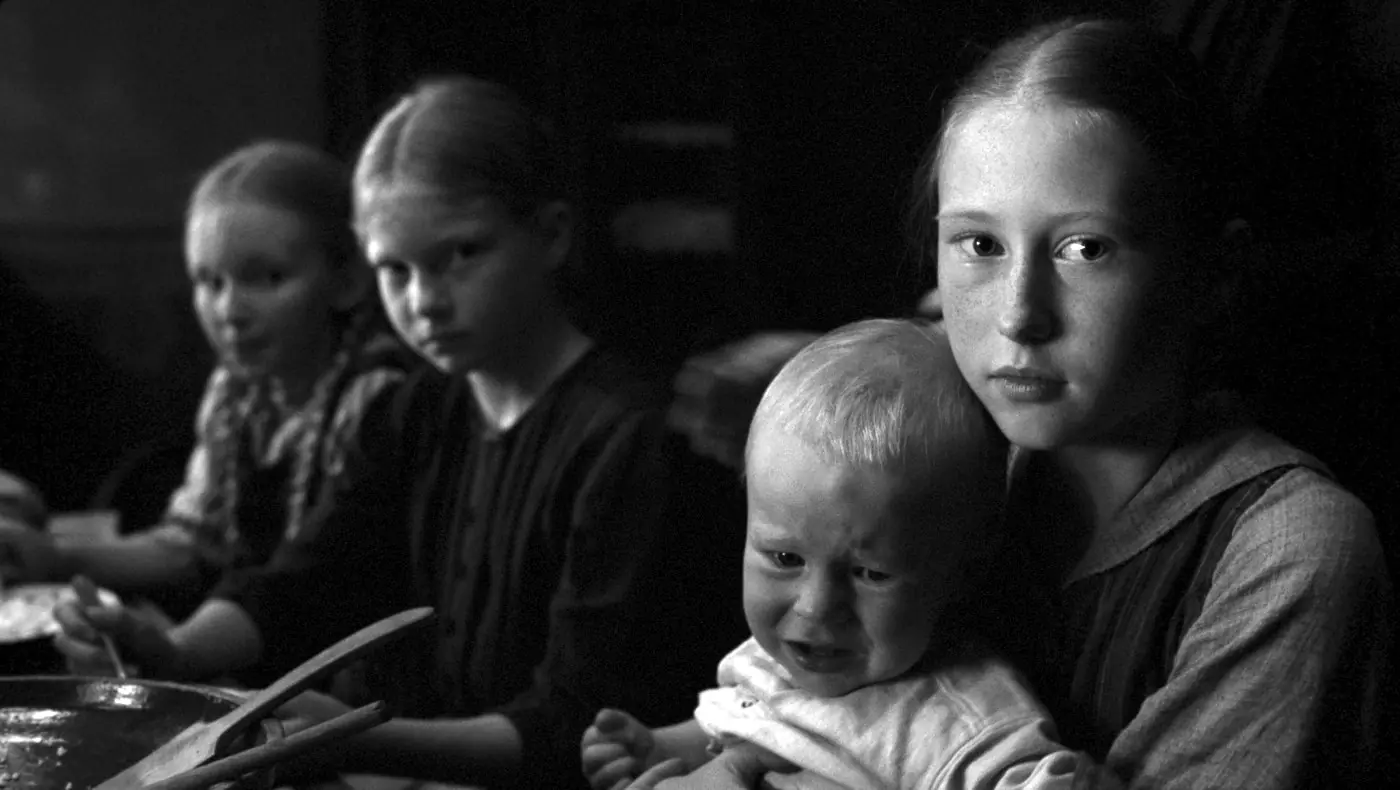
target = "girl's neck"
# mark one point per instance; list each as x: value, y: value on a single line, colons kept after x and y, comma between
x: 292, y: 392
x: 1099, y: 478
x: 505, y: 392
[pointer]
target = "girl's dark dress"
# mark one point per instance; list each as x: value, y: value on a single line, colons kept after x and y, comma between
x: 563, y: 577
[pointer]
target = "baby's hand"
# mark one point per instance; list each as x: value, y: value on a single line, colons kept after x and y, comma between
x: 616, y: 749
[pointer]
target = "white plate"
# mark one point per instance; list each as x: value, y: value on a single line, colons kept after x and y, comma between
x: 26, y: 610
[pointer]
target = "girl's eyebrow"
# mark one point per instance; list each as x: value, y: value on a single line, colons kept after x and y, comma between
x: 1111, y: 217
x: 968, y: 214
x: 973, y: 215
x: 452, y: 237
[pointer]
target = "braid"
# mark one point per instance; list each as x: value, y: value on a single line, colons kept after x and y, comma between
x: 229, y: 420
x: 316, y: 187
x: 320, y: 419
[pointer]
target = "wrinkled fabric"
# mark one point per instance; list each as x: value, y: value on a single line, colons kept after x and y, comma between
x: 1230, y: 628
x: 968, y: 723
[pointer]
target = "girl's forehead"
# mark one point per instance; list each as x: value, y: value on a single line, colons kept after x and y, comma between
x: 1044, y: 158
x: 1021, y: 130
x: 224, y: 214
x: 216, y: 230
x: 403, y: 200
x: 398, y: 218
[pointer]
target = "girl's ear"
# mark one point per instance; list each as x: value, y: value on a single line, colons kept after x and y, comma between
x: 556, y: 223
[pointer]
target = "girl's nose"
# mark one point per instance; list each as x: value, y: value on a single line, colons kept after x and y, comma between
x: 232, y: 307
x: 1027, y: 312
x: 428, y: 296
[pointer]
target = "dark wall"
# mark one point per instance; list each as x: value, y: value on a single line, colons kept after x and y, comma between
x: 110, y: 111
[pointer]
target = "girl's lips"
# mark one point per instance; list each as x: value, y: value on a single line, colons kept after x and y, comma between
x: 245, y: 348
x: 1028, y: 390
x: 444, y: 341
x: 1027, y: 384
x: 445, y: 337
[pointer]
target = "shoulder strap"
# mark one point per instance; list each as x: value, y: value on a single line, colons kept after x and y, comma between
x: 1229, y: 507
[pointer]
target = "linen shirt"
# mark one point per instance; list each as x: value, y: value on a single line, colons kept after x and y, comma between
x: 1230, y: 628
x: 967, y: 722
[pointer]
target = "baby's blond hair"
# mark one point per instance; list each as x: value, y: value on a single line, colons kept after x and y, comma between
x: 887, y: 394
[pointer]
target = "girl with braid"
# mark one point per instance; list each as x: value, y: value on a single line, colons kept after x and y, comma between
x: 303, y: 349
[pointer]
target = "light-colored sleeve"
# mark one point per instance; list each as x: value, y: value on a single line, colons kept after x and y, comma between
x: 1017, y: 753
x: 975, y: 726
x: 1276, y: 684
x: 981, y: 727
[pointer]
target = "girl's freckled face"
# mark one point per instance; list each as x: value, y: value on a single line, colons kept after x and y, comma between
x: 1056, y: 272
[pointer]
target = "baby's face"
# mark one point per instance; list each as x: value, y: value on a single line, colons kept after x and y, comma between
x: 839, y: 586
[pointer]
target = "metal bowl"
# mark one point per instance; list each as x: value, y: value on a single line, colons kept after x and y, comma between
x: 70, y: 733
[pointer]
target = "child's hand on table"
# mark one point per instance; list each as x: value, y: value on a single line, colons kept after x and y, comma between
x: 140, y: 637
x: 318, y: 767
x: 308, y: 708
x: 616, y: 749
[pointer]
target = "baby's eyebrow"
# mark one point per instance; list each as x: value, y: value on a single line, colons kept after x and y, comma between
x: 769, y: 533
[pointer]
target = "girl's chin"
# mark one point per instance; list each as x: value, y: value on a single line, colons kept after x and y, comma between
x: 1033, y: 428
x: 450, y: 365
x: 246, y: 368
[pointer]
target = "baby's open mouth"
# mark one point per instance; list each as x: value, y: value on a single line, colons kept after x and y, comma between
x: 815, y: 657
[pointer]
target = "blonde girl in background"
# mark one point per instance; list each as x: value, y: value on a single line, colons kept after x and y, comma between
x: 521, y: 486
x: 302, y: 349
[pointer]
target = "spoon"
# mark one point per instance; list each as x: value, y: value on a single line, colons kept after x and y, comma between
x: 274, y: 752
x: 201, y: 742
x: 88, y: 597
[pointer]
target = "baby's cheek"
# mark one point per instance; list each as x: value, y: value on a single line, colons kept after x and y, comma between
x: 763, y: 607
x: 905, y: 632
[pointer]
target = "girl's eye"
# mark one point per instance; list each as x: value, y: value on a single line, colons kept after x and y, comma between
x: 785, y: 559
x: 1085, y: 249
x: 468, y: 250
x: 871, y: 575
x: 393, y: 273
x: 980, y: 245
